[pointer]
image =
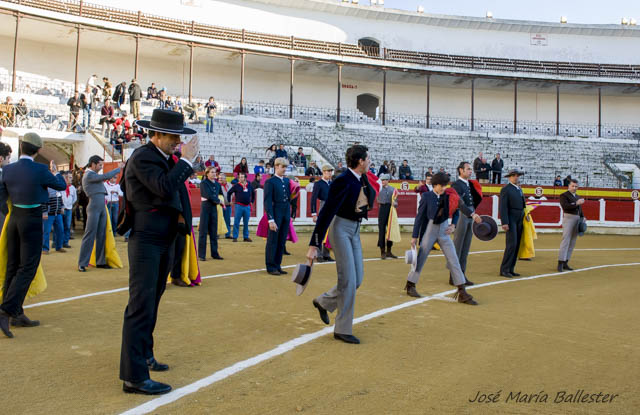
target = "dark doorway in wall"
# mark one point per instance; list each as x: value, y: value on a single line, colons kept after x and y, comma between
x: 368, y: 105
x: 370, y: 46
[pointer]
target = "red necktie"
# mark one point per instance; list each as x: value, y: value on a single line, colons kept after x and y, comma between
x: 68, y: 190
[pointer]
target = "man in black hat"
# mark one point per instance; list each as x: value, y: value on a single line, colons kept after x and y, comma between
x: 512, y: 206
x: 155, y: 197
x: 25, y: 183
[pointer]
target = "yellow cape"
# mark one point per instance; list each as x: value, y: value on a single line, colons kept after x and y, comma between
x: 222, y: 225
x: 527, y: 250
x: 110, y: 253
x: 190, y: 269
x: 393, y: 226
x: 39, y: 283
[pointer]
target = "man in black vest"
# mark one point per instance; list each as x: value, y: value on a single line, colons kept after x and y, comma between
x: 512, y: 206
x: 155, y: 195
x: 321, y: 193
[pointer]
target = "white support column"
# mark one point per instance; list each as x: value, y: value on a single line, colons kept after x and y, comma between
x: 303, y: 204
x: 494, y: 207
x: 603, y: 205
x: 259, y: 203
x: 636, y: 211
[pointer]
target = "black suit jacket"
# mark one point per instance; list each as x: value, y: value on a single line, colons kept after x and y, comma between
x: 469, y: 197
x: 277, y: 197
x: 569, y: 205
x: 211, y: 191
x: 154, y: 183
x: 512, y: 204
x: 320, y: 191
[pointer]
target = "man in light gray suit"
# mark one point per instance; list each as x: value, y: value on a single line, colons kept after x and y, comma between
x: 5, y: 157
x: 93, y: 186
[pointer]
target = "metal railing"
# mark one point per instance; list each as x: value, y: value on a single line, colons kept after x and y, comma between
x: 624, y: 182
x: 111, y: 14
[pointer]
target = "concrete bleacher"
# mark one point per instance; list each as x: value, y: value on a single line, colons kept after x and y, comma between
x: 542, y: 158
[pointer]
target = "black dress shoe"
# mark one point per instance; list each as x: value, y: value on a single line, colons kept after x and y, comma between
x: 24, y: 321
x: 66, y: 246
x: 148, y: 387
x: 202, y: 259
x: 566, y: 267
x: 324, y: 316
x: 218, y: 257
x: 347, y: 338
x: 4, y: 324
x: 156, y: 366
x: 104, y: 266
x: 469, y: 283
x: 506, y: 274
x: 274, y: 273
x: 286, y: 253
x: 515, y: 274
x: 329, y: 259
x: 82, y: 269
x: 247, y: 240
x: 235, y: 239
x: 282, y: 272
x: 228, y: 237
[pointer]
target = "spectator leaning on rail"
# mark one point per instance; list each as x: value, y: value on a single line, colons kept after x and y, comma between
x: 135, y: 95
x: 75, y: 104
x: 300, y: 159
x: 405, y: 171
x: 313, y: 170
x: 557, y: 181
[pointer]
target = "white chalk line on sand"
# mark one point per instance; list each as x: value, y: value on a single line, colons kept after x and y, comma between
x: 231, y: 274
x: 306, y: 338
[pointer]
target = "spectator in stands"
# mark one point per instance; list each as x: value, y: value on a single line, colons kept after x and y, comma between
x: 300, y: 159
x: 131, y: 135
x: 107, y: 117
x: 566, y: 181
x: 244, y: 197
x: 75, y: 104
x: 257, y: 182
x: 372, y: 168
x: 112, y: 199
x: 476, y: 164
x: 137, y: 130
x: 496, y: 168
x: 393, y: 170
x: 53, y: 215
x: 430, y: 171
x: 557, y: 181
x: 119, y: 94
x: 269, y: 168
x: 162, y: 99
x: 405, y: 171
x: 313, y: 170
x: 87, y: 99
x: 107, y: 89
x: 177, y: 106
x: 281, y: 152
x: 384, y: 168
x: 226, y: 209
x: 441, y: 170
x: 118, y: 138
x: 192, y: 109
x: 194, y: 180
x: 152, y: 92
x: 22, y: 113
x: 7, y: 114
x: 271, y: 153
x: 211, y: 109
x: 69, y: 198
x: 198, y: 165
x: 259, y: 169
x: 169, y: 104
x: 212, y: 162
x: 122, y: 120
x: 91, y: 83
x: 135, y: 95
x: 242, y: 167
x: 339, y: 169
x: 309, y: 187
x: 44, y: 91
x: 485, y: 170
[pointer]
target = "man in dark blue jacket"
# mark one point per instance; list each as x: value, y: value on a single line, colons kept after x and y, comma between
x: 25, y: 183
x: 321, y: 193
x: 434, y: 224
x: 277, y: 196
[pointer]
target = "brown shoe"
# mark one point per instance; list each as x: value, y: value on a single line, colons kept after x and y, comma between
x: 24, y: 321
x: 411, y: 290
x: 383, y: 254
x: 390, y: 255
x: 61, y: 250
x: 179, y: 282
x: 464, y: 297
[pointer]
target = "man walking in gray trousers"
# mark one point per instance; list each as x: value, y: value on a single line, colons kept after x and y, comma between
x: 95, y: 231
x: 350, y: 198
x: 572, y: 209
x: 469, y: 201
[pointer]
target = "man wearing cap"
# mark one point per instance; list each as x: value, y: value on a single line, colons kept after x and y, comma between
x: 95, y: 231
x: 155, y: 195
x: 351, y: 196
x: 277, y: 196
x: 25, y: 183
x: 512, y: 206
x: 385, y: 200
x: 470, y: 198
x: 321, y: 193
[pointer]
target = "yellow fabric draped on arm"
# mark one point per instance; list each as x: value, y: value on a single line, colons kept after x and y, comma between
x: 527, y: 249
x: 393, y: 226
x: 110, y: 253
x: 222, y: 225
x: 189, y: 260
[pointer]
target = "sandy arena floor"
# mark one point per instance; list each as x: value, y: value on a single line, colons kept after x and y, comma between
x: 558, y: 333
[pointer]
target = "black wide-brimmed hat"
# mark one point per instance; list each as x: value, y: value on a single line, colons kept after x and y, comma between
x: 485, y: 230
x: 165, y: 121
x: 301, y: 276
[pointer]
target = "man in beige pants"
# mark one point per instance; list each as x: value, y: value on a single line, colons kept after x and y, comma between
x: 572, y: 209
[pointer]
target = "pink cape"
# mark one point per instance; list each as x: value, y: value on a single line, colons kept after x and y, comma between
x: 263, y: 230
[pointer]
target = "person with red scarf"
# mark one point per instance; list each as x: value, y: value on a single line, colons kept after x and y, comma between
x: 243, y: 200
x: 69, y: 198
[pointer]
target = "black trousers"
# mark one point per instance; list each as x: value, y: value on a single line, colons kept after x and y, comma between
x: 151, y: 251
x: 24, y: 249
x: 208, y: 227
x: 178, y: 250
x: 277, y: 240
x: 513, y: 237
x: 497, y: 177
x: 384, y: 211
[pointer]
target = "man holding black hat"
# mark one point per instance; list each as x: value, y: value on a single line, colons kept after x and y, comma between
x: 321, y: 193
x: 512, y: 206
x: 25, y: 183
x: 154, y: 197
x: 571, y: 205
